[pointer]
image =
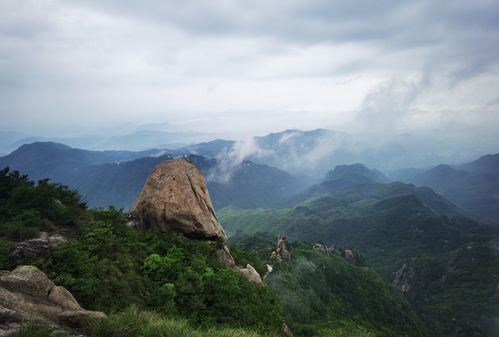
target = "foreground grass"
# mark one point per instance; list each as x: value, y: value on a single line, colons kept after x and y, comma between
x: 136, y: 323
x: 35, y: 328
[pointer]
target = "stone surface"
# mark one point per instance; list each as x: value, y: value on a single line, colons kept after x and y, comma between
x: 39, y: 247
x: 225, y: 258
x: 175, y: 198
x: 281, y: 253
x: 348, y: 255
x: 320, y: 247
x: 26, y: 293
x: 286, y: 330
x: 250, y: 273
x: 495, y: 296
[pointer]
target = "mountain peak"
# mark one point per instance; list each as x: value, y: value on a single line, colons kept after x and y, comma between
x: 44, y: 146
x: 356, y: 173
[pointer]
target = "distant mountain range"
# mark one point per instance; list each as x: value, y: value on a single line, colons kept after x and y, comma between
x: 473, y: 186
x: 114, y: 178
x: 299, y: 154
x: 440, y: 259
x: 135, y: 141
x: 310, y: 152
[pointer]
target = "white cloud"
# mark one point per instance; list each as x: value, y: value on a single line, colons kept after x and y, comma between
x: 236, y: 67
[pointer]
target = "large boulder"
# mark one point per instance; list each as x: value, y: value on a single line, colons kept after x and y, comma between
x: 26, y: 293
x: 175, y: 198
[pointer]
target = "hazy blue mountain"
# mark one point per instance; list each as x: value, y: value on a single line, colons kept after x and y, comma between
x: 47, y: 159
x: 473, y: 186
x: 314, y: 152
x: 106, y: 178
x: 129, y: 137
x: 7, y: 138
x: 208, y: 149
x: 146, y: 139
x: 355, y: 174
x: 311, y: 152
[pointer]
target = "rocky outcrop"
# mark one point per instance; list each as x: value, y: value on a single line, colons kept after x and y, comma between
x: 402, y: 281
x: 26, y: 293
x: 225, y: 258
x: 175, y: 198
x: 286, y: 330
x: 415, y: 277
x: 250, y: 273
x: 39, y: 247
x: 349, y: 256
x: 495, y: 296
x: 320, y: 247
x: 281, y: 253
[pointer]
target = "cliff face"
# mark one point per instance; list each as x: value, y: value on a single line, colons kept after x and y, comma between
x: 175, y: 198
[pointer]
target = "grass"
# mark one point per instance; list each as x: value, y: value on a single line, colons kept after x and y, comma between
x: 347, y: 332
x: 135, y: 323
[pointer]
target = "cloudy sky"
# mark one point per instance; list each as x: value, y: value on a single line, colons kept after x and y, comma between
x: 224, y: 66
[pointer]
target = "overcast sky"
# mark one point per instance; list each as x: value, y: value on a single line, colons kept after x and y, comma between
x: 249, y: 66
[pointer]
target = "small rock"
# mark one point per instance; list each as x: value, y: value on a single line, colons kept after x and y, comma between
x: 251, y: 274
x: 39, y: 247
x: 225, y: 257
x: 348, y: 255
x: 321, y: 248
x: 286, y: 330
x: 495, y: 297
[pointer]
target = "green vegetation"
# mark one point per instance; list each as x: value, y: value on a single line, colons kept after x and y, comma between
x: 165, y: 272
x: 465, y: 278
x: 322, y: 293
x: 26, y: 208
x: 142, y: 323
x: 393, y: 224
x: 166, y: 284
x: 108, y: 266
